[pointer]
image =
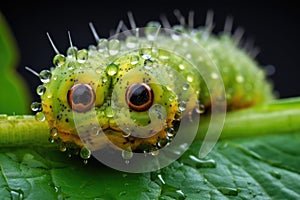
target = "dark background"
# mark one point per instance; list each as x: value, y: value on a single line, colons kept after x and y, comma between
x: 273, y: 26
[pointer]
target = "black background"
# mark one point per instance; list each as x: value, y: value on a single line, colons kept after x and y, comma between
x: 273, y: 26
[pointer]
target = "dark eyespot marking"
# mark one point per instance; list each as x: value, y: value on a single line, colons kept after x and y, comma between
x: 81, y: 97
x: 139, y: 97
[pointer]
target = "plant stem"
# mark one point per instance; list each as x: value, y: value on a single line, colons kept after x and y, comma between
x: 276, y: 117
x: 279, y: 116
x: 23, y: 130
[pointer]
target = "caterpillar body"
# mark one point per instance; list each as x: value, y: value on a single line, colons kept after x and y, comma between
x: 133, y: 89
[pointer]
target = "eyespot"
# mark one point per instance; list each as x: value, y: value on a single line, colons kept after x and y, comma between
x: 139, y: 97
x: 81, y: 97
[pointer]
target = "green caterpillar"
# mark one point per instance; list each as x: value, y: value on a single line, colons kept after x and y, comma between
x: 107, y: 91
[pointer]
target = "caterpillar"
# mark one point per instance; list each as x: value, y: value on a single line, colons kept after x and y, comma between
x: 133, y: 91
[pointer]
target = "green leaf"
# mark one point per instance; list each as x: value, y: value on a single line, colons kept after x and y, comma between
x: 265, y: 167
x: 15, y: 96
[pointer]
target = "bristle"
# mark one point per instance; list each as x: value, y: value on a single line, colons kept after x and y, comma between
x: 52, y: 44
x: 131, y: 20
x: 238, y: 34
x: 191, y: 19
x: 32, y: 71
x: 209, y: 22
x: 179, y: 17
x: 70, y: 39
x: 165, y: 22
x: 94, y: 32
x: 228, y: 24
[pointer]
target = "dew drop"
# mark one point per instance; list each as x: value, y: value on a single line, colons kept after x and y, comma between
x: 85, y: 153
x: 182, y: 106
x: 190, y: 78
x: 181, y: 67
x: 51, y: 140
x: 214, y: 75
x: 63, y: 147
x: 39, y: 116
x: 109, y: 112
x: 132, y: 42
x: 151, y: 30
x: 275, y: 174
x: 112, y: 69
x: 16, y: 194
x: 59, y: 60
x: 127, y: 155
x: 92, y: 48
x: 160, y: 178
x: 36, y: 106
x: 154, y: 153
x: 134, y: 60
x: 102, y: 45
x: 210, y: 163
x: 53, y: 133
x: 239, y: 79
x: 71, y: 52
x: 186, y: 86
x: 85, y: 162
x: 114, y: 47
x: 200, y: 109
x: 228, y: 191
x: 45, y: 76
x: 82, y: 56
x: 123, y: 193
x: 40, y: 90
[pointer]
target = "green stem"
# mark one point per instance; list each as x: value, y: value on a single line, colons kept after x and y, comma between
x: 279, y: 116
x: 276, y: 117
x: 23, y: 130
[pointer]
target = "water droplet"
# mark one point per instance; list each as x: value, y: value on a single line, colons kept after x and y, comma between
x: 40, y: 90
x: 182, y: 106
x: 200, y: 109
x: 85, y: 153
x: 102, y: 45
x: 132, y: 42
x: 148, y: 64
x: 109, y: 112
x: 151, y: 30
x: 92, y: 48
x: 45, y: 76
x: 176, y: 35
x: 16, y: 194
x: 123, y: 193
x: 82, y: 55
x: 85, y: 162
x: 190, y: 78
x: 54, y: 133
x: 210, y: 163
x: 114, y: 47
x: 59, y: 60
x: 127, y: 155
x: 71, y: 52
x: 134, y: 60
x: 214, y: 75
x: 63, y: 147
x: 154, y: 153
x: 104, y: 80
x: 239, y: 79
x: 112, y: 69
x: 159, y: 176
x: 39, y: 116
x: 275, y: 174
x: 36, y: 106
x: 186, y: 86
x: 228, y: 191
x: 181, y: 67
x: 126, y: 132
x: 51, y: 140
